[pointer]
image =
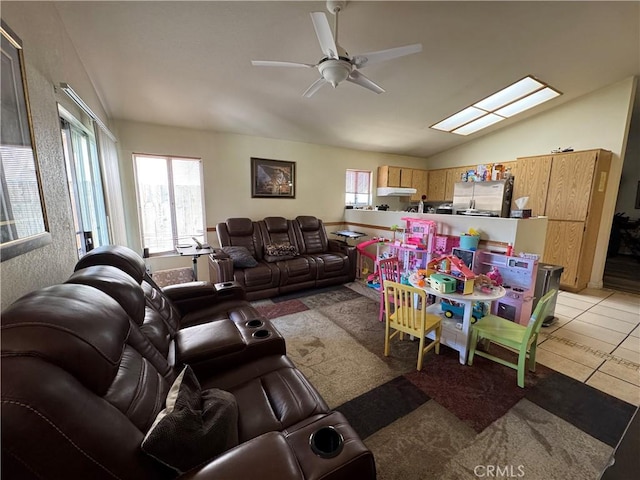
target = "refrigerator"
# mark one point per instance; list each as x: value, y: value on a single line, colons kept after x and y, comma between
x: 491, y: 199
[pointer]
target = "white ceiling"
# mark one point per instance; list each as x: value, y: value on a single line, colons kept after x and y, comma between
x: 188, y: 64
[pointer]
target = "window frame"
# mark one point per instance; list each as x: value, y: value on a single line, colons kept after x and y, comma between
x: 369, y: 192
x: 172, y: 202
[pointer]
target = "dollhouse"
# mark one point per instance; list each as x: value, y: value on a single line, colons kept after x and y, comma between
x: 454, y: 268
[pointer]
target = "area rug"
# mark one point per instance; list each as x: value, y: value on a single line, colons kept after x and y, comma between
x: 447, y: 421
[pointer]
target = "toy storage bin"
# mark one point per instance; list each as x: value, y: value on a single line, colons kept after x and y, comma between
x: 469, y: 242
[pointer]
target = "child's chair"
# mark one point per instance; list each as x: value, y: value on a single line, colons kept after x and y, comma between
x: 512, y: 335
x: 388, y: 269
x: 410, y: 317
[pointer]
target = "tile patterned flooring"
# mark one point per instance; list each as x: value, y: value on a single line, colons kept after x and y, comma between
x: 596, y: 340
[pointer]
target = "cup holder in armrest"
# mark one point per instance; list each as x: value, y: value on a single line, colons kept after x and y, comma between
x: 326, y: 442
x: 254, y: 323
x: 227, y: 284
x: 261, y: 333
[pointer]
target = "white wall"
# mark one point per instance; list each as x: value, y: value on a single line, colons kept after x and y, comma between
x: 598, y: 120
x: 50, y: 59
x: 320, y: 174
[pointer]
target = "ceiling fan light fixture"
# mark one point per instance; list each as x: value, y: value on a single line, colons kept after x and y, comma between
x: 335, y: 71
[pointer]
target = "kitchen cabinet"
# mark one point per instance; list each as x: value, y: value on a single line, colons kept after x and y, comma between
x: 419, y: 181
x: 454, y: 175
x: 437, y: 183
x: 389, y: 176
x: 532, y: 180
x: 575, y: 196
x: 563, y: 246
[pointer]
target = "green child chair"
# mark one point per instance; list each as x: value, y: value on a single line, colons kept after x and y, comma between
x: 509, y: 334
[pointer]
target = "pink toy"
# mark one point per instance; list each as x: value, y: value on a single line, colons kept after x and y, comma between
x: 494, y: 275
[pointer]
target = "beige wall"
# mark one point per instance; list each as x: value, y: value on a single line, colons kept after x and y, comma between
x: 598, y: 120
x: 50, y: 59
x: 320, y: 177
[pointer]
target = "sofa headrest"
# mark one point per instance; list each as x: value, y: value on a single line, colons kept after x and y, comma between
x: 117, y: 256
x: 117, y: 284
x: 239, y: 226
x: 76, y: 327
x: 308, y: 223
x: 276, y: 224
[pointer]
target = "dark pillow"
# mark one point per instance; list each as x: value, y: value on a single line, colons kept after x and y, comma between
x: 280, y: 251
x: 241, y: 257
x: 195, y: 426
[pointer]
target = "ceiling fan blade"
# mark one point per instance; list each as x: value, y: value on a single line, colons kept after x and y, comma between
x: 359, y: 79
x: 269, y: 63
x: 324, y: 34
x: 365, y: 59
x: 315, y: 86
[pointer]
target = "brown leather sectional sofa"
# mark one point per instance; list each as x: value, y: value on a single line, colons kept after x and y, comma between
x: 319, y: 262
x: 87, y: 365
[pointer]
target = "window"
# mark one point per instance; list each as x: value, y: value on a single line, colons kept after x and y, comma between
x: 84, y: 177
x: 358, y: 189
x: 170, y: 201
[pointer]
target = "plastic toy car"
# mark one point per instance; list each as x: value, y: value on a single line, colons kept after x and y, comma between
x: 451, y: 310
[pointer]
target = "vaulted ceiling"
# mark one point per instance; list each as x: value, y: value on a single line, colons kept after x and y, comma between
x: 188, y: 64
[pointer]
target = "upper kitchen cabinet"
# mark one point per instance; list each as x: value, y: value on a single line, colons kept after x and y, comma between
x: 394, y: 176
x: 419, y: 181
x: 437, y: 185
x: 577, y: 184
x: 453, y: 175
x: 532, y: 180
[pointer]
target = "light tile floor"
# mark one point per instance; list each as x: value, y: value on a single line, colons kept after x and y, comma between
x: 596, y: 340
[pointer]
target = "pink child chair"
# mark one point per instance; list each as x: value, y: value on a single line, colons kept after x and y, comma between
x: 388, y: 269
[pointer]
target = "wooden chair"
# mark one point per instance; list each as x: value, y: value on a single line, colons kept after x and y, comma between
x: 509, y: 334
x: 410, y: 317
x: 388, y: 269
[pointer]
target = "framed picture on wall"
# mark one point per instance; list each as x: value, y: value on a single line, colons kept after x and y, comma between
x: 23, y: 221
x: 272, y: 178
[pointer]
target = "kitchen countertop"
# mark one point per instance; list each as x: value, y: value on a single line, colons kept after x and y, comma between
x: 526, y: 235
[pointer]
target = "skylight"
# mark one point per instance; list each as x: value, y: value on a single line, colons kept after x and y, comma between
x: 516, y: 98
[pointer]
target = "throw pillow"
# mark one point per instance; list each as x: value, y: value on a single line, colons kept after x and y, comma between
x: 241, y: 257
x: 194, y: 427
x: 274, y: 252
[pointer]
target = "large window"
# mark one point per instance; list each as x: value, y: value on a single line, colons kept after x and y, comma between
x: 358, y: 188
x: 84, y: 178
x: 170, y: 201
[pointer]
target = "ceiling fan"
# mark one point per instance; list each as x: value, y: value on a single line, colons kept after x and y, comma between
x: 337, y: 66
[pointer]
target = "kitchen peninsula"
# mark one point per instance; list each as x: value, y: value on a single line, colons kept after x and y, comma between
x: 526, y: 235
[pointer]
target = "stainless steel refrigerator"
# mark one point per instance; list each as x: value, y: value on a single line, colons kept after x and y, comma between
x: 491, y: 199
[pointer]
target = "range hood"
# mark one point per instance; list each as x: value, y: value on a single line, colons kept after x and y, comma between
x: 395, y: 191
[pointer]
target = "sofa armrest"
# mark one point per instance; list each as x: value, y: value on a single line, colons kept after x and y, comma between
x: 349, y: 251
x: 193, y: 296
x: 268, y: 456
x: 220, y: 267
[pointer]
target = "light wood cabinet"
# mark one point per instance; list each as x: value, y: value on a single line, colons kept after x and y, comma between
x: 563, y: 246
x: 437, y: 183
x: 532, y: 180
x: 453, y: 175
x: 576, y: 190
x: 389, y: 176
x: 571, y: 185
x: 419, y: 181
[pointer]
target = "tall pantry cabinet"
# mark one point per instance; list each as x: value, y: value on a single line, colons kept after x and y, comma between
x: 573, y: 202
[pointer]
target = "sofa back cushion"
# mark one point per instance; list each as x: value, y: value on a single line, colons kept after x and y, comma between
x: 279, y: 239
x: 76, y: 395
x: 241, y: 232
x: 312, y: 237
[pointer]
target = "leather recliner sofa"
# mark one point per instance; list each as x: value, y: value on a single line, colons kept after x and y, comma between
x: 87, y: 365
x: 318, y: 262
